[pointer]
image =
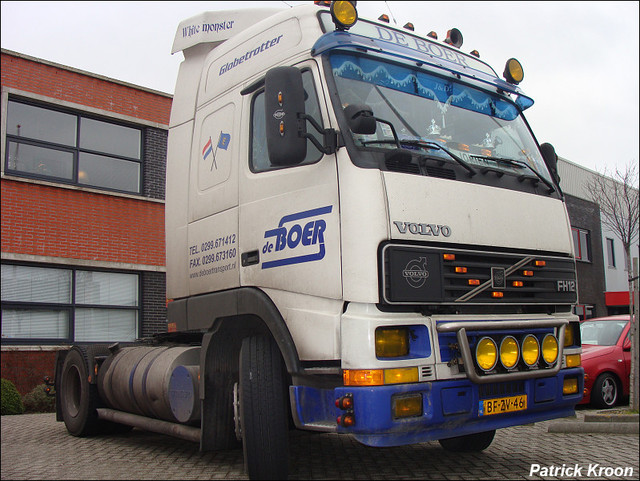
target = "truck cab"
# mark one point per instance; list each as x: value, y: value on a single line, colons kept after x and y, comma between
x: 363, y: 237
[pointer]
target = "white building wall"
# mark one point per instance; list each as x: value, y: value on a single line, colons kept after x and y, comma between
x: 574, y: 179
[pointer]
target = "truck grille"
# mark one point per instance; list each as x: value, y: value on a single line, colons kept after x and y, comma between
x: 422, y: 275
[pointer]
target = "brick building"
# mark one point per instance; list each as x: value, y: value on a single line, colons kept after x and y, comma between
x: 82, y: 179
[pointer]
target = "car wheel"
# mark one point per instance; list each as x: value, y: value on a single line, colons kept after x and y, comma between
x: 605, y: 391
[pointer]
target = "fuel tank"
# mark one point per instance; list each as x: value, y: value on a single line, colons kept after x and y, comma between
x: 157, y: 382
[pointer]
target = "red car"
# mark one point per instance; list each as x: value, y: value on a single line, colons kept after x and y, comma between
x: 606, y: 359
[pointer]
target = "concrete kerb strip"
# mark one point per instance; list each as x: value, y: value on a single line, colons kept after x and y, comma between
x: 601, y: 422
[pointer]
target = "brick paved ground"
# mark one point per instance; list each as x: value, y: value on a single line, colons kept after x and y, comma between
x: 35, y: 446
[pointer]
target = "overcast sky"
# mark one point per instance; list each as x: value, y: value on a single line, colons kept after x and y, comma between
x: 580, y: 58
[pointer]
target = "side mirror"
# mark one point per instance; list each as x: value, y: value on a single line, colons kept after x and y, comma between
x: 284, y: 108
x: 626, y: 345
x: 360, y: 119
x: 551, y: 159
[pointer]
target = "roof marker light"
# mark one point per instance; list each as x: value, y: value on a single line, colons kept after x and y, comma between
x: 409, y: 26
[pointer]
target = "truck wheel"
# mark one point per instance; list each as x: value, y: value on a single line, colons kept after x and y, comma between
x: 605, y: 391
x: 469, y: 443
x: 263, y: 410
x: 78, y: 398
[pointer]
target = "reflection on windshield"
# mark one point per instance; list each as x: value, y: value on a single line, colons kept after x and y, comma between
x: 601, y: 333
x: 477, y: 126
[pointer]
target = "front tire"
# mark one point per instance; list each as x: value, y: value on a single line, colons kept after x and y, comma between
x: 263, y: 409
x: 605, y: 391
x: 469, y: 443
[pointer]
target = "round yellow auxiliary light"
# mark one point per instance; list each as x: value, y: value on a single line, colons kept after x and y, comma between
x: 513, y: 71
x: 487, y: 354
x: 509, y: 352
x: 550, y: 349
x: 343, y: 14
x: 530, y: 350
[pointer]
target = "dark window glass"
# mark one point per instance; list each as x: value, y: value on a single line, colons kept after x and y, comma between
x: 107, y: 172
x: 67, y: 147
x: 40, y: 161
x: 109, y: 138
x: 30, y: 122
x: 611, y: 256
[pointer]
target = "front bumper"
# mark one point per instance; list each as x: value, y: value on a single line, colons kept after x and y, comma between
x: 449, y: 408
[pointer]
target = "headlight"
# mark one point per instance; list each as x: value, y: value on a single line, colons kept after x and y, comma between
x: 486, y: 354
x: 392, y: 342
x: 550, y: 349
x: 530, y: 350
x: 509, y: 352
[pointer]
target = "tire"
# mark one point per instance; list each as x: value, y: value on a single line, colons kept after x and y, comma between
x: 78, y: 398
x: 221, y: 375
x: 605, y: 392
x: 263, y: 409
x: 469, y: 443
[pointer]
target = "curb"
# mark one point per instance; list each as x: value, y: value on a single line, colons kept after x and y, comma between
x: 597, y: 427
x: 599, y: 422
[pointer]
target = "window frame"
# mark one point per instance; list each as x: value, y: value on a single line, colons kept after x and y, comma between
x: 75, y: 150
x: 72, y: 306
x: 579, y: 255
x: 611, y: 253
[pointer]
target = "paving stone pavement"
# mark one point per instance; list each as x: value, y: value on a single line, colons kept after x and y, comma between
x: 35, y: 446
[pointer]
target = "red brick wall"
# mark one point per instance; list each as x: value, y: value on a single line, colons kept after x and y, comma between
x: 48, y: 221
x: 43, y: 220
x: 27, y: 369
x: 74, y: 87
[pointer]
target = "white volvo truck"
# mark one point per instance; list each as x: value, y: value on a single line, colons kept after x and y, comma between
x: 363, y: 237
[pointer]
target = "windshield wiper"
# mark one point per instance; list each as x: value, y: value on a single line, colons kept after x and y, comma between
x: 425, y: 144
x: 435, y: 145
x: 520, y: 163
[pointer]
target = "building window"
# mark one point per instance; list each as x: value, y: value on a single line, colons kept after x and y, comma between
x: 582, y: 244
x: 611, y: 256
x: 69, y: 305
x: 72, y: 148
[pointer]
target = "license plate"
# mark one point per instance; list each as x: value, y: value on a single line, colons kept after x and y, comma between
x: 502, y: 405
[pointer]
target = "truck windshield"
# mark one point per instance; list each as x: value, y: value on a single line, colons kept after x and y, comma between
x: 484, y: 129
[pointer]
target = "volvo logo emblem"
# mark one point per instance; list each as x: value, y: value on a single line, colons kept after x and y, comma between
x: 416, y: 272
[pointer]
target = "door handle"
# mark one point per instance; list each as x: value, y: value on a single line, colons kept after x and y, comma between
x: 250, y: 258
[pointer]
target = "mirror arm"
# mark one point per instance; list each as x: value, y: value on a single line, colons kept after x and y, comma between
x: 330, y: 136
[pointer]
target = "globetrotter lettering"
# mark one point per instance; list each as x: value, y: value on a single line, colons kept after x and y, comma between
x: 294, y: 233
x: 251, y: 53
x: 423, y: 229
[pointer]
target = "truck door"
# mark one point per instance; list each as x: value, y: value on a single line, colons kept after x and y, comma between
x: 289, y: 217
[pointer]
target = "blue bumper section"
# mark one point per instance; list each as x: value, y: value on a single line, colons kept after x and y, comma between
x: 449, y: 408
